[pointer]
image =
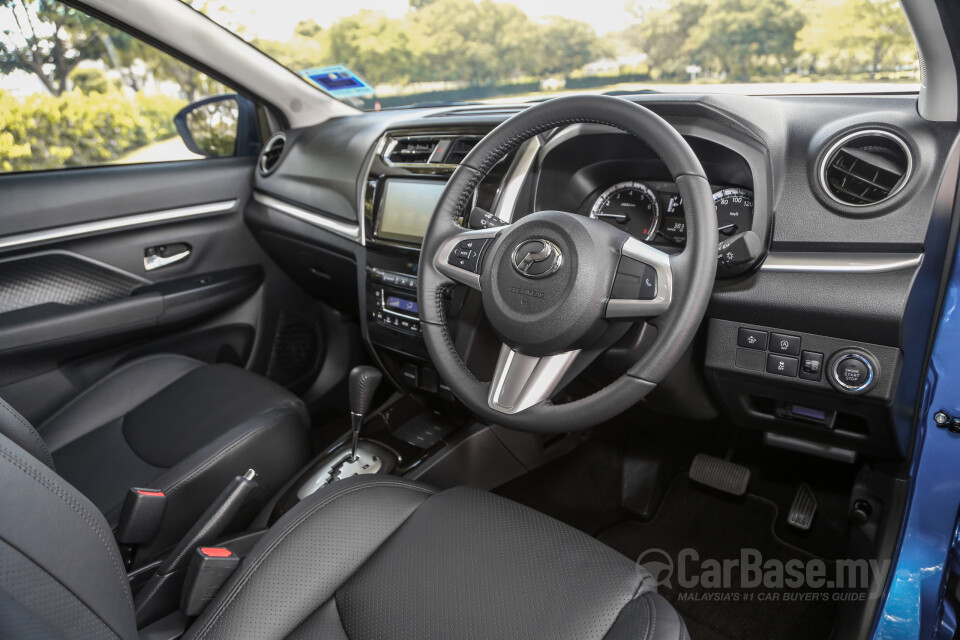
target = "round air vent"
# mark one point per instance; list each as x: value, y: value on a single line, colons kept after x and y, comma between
x: 270, y: 156
x: 866, y: 168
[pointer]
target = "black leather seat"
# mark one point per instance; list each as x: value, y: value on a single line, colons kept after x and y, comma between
x: 171, y: 423
x: 368, y: 557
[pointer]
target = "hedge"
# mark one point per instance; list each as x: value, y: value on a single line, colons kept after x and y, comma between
x: 77, y: 129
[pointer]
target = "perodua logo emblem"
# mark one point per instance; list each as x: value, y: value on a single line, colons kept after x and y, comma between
x: 537, y: 258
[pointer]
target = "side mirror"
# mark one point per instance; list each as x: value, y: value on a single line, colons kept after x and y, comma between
x: 219, y: 126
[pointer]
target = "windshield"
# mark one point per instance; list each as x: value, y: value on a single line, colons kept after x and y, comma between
x: 379, y: 54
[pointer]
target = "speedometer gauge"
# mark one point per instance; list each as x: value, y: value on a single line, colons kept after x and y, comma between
x: 734, y: 211
x: 734, y: 214
x: 631, y: 206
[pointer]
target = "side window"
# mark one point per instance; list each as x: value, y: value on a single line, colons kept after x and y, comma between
x: 76, y: 92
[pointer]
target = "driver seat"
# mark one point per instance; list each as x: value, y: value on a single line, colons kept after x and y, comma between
x: 368, y: 557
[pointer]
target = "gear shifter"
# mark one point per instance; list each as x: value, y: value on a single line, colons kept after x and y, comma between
x: 363, y: 384
x: 352, y: 457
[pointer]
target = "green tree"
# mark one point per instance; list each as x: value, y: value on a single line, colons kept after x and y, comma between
x: 50, y: 39
x: 373, y: 46
x: 661, y: 31
x: 476, y: 42
x: 564, y: 45
x: 846, y: 34
x: 742, y: 35
x: 89, y: 80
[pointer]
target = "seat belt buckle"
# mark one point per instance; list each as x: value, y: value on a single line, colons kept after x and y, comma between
x: 209, y: 569
x: 141, y: 515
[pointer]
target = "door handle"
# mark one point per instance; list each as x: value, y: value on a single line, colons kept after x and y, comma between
x: 165, y: 255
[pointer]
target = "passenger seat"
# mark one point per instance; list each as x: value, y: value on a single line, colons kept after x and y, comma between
x: 175, y: 424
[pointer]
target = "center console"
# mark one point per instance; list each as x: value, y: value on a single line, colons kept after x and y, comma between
x: 406, y: 177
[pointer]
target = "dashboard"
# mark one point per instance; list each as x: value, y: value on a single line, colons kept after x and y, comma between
x: 827, y: 256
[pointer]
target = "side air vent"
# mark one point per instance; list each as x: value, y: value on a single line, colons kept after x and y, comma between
x: 866, y: 168
x: 270, y: 156
x: 438, y: 150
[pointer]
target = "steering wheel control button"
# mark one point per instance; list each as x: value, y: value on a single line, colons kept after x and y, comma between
x: 782, y: 365
x: 466, y: 255
x: 853, y: 372
x: 811, y: 365
x: 752, y: 339
x: 781, y: 343
x: 635, y: 281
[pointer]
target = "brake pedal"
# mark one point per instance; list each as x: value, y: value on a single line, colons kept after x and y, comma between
x: 803, y: 509
x: 721, y: 475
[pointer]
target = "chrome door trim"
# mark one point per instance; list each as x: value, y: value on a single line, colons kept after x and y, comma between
x: 114, y: 224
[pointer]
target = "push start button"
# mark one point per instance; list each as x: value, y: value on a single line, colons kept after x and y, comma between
x: 853, y: 372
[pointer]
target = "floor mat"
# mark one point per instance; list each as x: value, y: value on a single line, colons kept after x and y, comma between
x: 718, y: 527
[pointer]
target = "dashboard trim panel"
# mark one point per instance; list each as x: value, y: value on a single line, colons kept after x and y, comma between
x: 345, y: 229
x: 810, y: 262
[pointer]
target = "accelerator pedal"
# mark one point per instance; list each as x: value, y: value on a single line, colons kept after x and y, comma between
x: 721, y: 475
x: 803, y: 509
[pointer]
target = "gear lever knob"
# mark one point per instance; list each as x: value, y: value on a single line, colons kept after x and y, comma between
x: 363, y: 384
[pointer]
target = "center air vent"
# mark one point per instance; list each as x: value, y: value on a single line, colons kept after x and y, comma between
x: 427, y: 149
x: 270, y: 156
x: 866, y: 168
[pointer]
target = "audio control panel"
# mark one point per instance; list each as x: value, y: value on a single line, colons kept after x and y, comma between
x: 395, y: 301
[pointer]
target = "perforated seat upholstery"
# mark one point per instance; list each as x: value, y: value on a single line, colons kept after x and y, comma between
x: 366, y: 558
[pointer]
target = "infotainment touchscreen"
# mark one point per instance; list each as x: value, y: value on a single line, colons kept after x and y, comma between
x: 406, y: 208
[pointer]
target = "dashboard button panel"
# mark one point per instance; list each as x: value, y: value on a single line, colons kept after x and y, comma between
x: 811, y: 365
x: 782, y: 365
x: 752, y: 339
x: 786, y: 344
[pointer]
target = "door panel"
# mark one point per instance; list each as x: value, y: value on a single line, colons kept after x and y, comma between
x: 47, y: 199
x: 79, y: 301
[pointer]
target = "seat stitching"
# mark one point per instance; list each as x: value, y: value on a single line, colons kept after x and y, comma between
x: 33, y: 432
x: 206, y: 464
x: 652, y: 627
x: 80, y: 510
x: 646, y: 610
x: 230, y: 598
x: 111, y: 375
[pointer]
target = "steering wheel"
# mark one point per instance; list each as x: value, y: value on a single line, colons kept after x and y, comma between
x: 559, y: 288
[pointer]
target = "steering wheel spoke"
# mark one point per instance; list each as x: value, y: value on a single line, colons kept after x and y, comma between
x: 644, y: 284
x: 521, y: 381
x: 460, y: 257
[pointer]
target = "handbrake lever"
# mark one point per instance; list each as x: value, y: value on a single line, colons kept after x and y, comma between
x: 161, y: 593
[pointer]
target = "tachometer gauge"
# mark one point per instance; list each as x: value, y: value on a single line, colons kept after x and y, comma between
x: 734, y: 210
x: 631, y: 206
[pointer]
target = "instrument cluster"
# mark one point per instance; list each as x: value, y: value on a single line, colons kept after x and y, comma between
x: 652, y: 211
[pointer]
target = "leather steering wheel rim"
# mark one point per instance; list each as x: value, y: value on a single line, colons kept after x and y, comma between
x: 693, y: 270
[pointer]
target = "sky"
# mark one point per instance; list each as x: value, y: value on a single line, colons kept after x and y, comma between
x: 275, y: 20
